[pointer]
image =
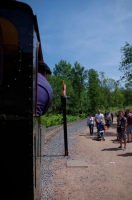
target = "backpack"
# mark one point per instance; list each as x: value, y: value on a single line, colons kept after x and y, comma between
x: 129, y: 119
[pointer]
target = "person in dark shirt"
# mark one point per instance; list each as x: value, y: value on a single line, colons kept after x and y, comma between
x: 121, y: 129
x: 112, y: 117
x: 44, y: 89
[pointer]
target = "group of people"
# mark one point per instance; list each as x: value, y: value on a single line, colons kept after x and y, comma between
x: 98, y: 119
x: 124, y: 125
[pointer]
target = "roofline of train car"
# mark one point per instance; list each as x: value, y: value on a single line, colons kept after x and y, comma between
x: 16, y: 5
x: 25, y: 7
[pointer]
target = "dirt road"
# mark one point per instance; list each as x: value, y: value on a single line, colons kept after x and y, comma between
x: 106, y: 175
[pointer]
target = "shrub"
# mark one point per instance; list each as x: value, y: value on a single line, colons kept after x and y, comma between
x: 53, y: 120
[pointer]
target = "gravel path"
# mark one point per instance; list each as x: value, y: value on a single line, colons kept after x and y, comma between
x: 108, y: 175
x: 54, y: 151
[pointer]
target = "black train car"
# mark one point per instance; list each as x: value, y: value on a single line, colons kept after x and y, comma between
x: 20, y: 131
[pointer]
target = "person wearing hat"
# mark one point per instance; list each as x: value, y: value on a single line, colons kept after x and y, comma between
x: 44, y: 89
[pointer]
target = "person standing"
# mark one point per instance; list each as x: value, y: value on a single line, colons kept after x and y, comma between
x: 108, y: 120
x: 121, y: 129
x: 90, y: 123
x: 99, y: 117
x: 129, y: 126
x: 112, y: 117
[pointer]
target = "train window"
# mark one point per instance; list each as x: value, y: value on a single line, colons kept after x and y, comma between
x: 9, y: 56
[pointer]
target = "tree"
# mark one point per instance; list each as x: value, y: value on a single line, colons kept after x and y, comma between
x: 94, y: 91
x: 127, y: 95
x: 126, y: 63
x: 78, y: 78
x: 88, y: 90
x: 62, y: 69
x: 108, y: 88
x: 55, y: 82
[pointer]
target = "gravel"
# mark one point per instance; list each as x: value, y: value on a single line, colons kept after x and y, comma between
x: 52, y: 152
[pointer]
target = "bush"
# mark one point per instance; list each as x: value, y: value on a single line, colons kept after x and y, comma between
x: 53, y: 120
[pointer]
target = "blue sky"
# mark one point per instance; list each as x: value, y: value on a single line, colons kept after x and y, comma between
x: 90, y: 32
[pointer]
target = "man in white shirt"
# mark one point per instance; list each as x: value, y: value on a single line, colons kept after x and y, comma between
x: 99, y: 118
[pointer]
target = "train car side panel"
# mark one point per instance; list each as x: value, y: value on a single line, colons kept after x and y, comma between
x: 21, y: 149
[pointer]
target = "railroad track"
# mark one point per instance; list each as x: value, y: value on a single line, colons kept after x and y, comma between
x: 52, y: 131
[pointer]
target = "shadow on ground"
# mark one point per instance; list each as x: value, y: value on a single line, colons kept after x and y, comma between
x: 111, y: 149
x: 125, y: 154
x: 110, y: 134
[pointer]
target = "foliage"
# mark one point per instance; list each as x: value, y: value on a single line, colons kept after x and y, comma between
x: 88, y: 90
x: 126, y: 63
x: 127, y: 93
x: 53, y: 120
x: 94, y: 91
x: 62, y: 69
x: 78, y: 77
